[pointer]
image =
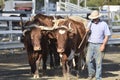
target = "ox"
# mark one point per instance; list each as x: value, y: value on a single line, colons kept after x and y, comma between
x: 37, y: 43
x: 69, y: 35
x: 35, y: 46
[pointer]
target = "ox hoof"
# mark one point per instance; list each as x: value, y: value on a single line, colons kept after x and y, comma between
x: 36, y: 76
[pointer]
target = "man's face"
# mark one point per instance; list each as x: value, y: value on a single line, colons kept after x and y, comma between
x: 96, y: 20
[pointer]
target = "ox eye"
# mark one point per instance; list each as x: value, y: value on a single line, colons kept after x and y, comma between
x: 61, y: 31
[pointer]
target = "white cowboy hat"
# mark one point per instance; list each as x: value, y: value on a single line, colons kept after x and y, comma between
x: 95, y: 14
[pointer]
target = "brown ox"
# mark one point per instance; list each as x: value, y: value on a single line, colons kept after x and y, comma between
x: 69, y: 35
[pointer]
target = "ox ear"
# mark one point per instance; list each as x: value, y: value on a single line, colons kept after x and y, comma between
x: 71, y: 34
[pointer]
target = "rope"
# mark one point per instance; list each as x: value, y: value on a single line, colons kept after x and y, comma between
x: 85, y: 36
x: 83, y: 40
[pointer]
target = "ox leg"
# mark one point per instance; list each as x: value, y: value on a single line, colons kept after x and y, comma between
x: 68, y: 70
x: 77, y: 67
x: 32, y: 63
x: 56, y: 59
x: 65, y: 67
x: 81, y: 62
x: 37, y: 63
x: 44, y: 59
x: 51, y: 60
x: 76, y: 62
x: 33, y: 68
x: 63, y: 60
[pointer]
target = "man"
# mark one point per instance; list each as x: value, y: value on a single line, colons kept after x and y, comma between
x: 96, y: 44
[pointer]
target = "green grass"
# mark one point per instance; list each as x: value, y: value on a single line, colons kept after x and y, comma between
x: 116, y: 23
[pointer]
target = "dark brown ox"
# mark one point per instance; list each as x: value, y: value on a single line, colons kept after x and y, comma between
x: 69, y: 35
x: 33, y: 56
x: 36, y: 45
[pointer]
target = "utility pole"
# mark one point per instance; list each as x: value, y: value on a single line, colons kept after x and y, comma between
x: 78, y: 3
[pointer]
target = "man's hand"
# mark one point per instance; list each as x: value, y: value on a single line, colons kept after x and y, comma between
x: 87, y: 29
x: 102, y: 47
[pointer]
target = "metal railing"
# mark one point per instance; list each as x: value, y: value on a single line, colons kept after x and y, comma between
x: 67, y: 6
x: 9, y: 33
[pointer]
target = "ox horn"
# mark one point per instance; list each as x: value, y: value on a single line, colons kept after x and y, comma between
x: 54, y: 18
x: 45, y: 27
x: 28, y: 28
x: 24, y: 31
x: 63, y: 26
x: 41, y: 27
x: 69, y: 26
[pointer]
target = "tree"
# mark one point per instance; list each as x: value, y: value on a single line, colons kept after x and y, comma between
x: 96, y: 3
x: 73, y: 1
x: 2, y: 4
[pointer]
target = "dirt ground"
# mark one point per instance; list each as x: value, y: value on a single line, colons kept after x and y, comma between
x: 14, y: 66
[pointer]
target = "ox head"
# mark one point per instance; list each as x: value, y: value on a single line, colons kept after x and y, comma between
x: 33, y: 36
x: 36, y: 38
x: 70, y: 35
x: 36, y: 33
x: 62, y: 36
